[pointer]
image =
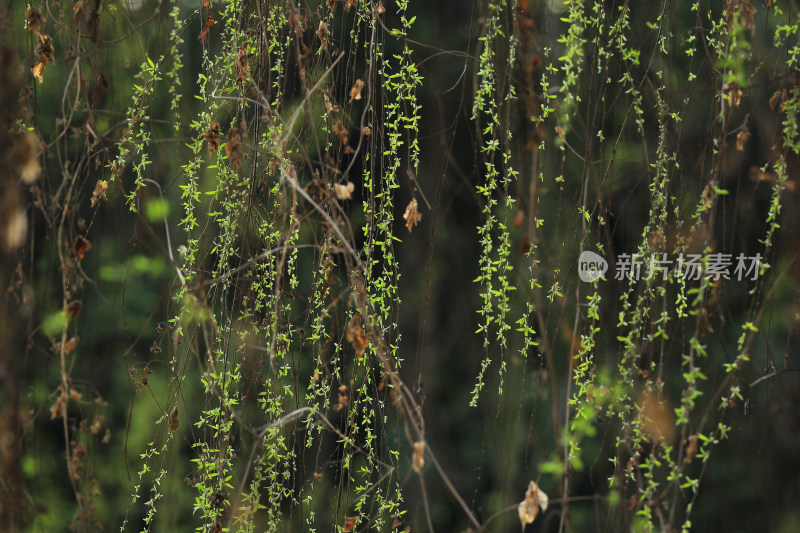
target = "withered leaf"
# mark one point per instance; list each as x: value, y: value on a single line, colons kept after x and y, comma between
x: 212, y: 136
x: 330, y: 107
x: 209, y: 24
x: 418, y: 459
x: 68, y: 346
x: 519, y: 218
x: 97, y: 425
x: 734, y: 94
x: 242, y: 66
x: 99, y: 192
x: 57, y: 409
x: 356, y: 336
x: 34, y: 20
x: 80, y: 247
x: 341, y: 132
x: 74, y: 308
x: 691, y: 448
x: 528, y: 508
x: 349, y: 523
x: 742, y: 138
x: 344, y: 192
x: 322, y: 33
x: 45, y: 53
x: 29, y: 167
x: 174, y: 421
x: 233, y: 147
x: 350, y: 3
x: 561, y: 133
x: 773, y: 101
x: 355, y: 91
x: 412, y: 216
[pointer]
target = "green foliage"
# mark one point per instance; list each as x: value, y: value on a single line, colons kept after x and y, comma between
x: 259, y: 293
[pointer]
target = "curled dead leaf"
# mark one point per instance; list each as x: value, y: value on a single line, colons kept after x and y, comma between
x: 341, y: 132
x: 174, y: 421
x: 233, y: 147
x: 322, y: 33
x: 57, y: 409
x: 330, y: 107
x: 212, y: 136
x: 418, y: 459
x: 344, y: 192
x: 99, y: 192
x: 242, y: 66
x: 29, y: 167
x: 773, y: 101
x: 519, y: 218
x: 34, y: 20
x: 45, y: 53
x: 356, y: 336
x: 210, y: 21
x: 74, y: 308
x: 80, y: 247
x: 349, y: 523
x: 355, y: 91
x: 412, y: 216
x: 741, y: 139
x: 691, y: 448
x: 535, y: 499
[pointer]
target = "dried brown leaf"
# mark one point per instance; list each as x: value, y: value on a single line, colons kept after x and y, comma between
x: 528, y: 508
x: 418, y: 458
x: 210, y: 21
x: 412, y: 216
x: 773, y: 101
x: 212, y: 136
x: 741, y: 139
x: 80, y: 247
x: 355, y: 335
x: 344, y: 192
x: 174, y: 421
x: 242, y: 66
x: 355, y: 91
x: 341, y: 132
x: 99, y: 192
x: 34, y: 20
x: 74, y: 308
x: 349, y: 523
x: 691, y: 448
x: 330, y: 107
x: 322, y: 33
x: 57, y: 409
x: 233, y: 147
